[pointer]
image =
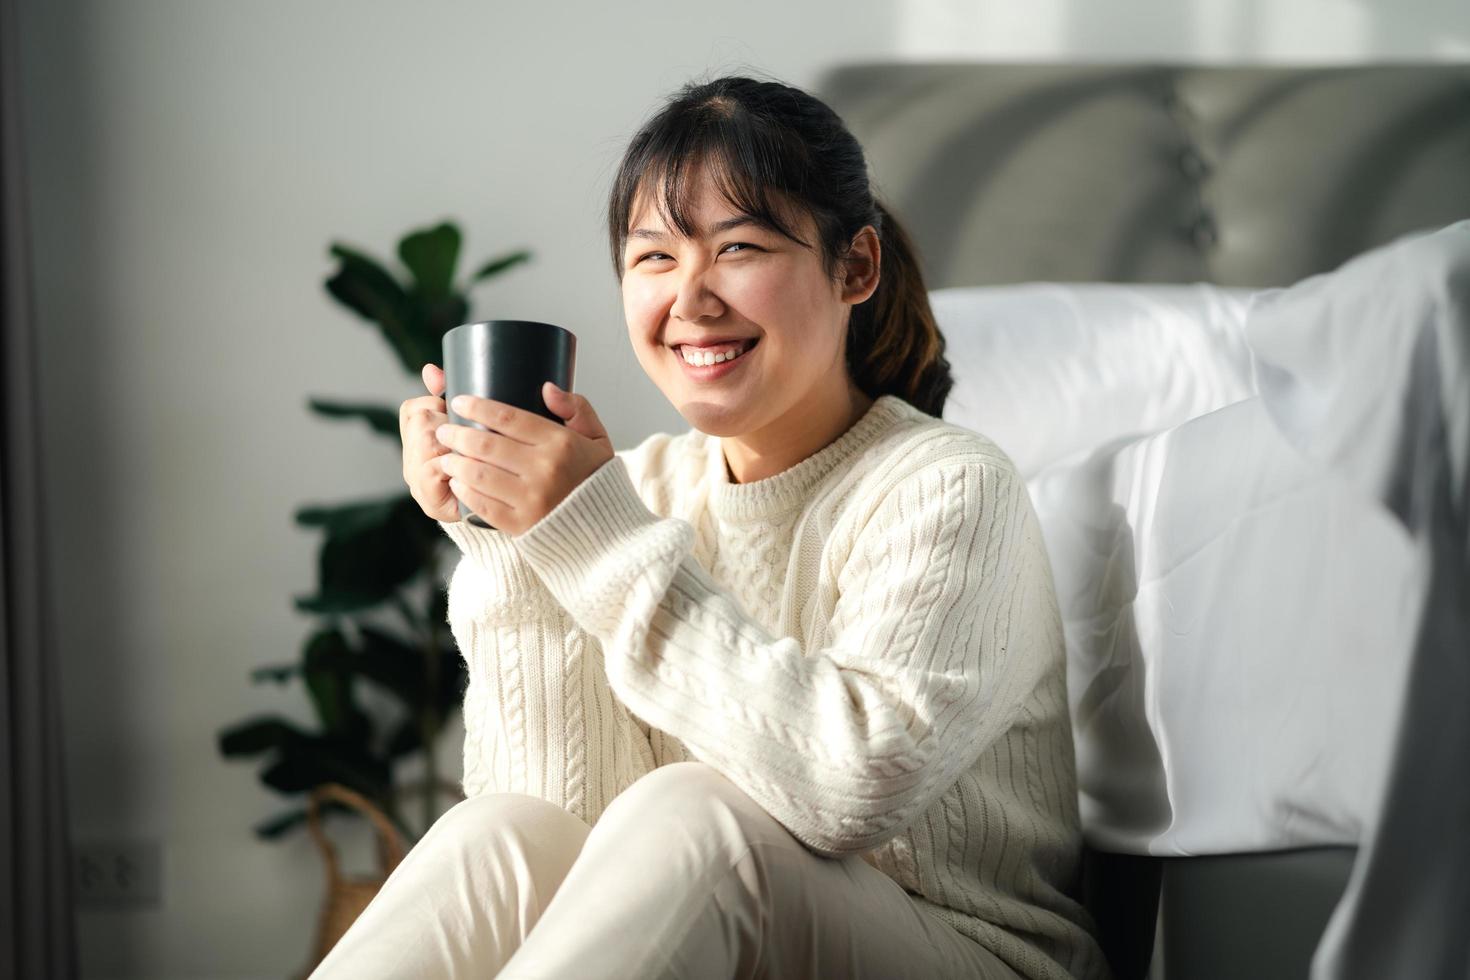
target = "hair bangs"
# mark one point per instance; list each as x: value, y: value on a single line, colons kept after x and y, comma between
x: 718, y: 143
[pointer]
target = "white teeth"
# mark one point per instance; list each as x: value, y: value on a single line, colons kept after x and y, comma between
x: 705, y: 358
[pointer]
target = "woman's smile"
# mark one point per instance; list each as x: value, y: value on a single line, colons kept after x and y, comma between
x: 713, y: 363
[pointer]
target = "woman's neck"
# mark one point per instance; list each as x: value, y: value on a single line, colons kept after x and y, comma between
x: 811, y: 425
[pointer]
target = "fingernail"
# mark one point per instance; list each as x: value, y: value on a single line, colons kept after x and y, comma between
x: 442, y: 432
x: 461, y: 403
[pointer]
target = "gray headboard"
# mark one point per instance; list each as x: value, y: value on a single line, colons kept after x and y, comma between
x: 1242, y: 176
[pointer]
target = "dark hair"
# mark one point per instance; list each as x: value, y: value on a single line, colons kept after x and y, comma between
x: 771, y: 147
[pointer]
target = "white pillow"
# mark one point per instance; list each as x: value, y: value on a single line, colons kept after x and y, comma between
x: 1048, y: 370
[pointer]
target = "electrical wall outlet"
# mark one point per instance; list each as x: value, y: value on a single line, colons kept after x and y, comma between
x: 117, y: 872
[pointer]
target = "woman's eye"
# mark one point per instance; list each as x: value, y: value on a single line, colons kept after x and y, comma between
x: 662, y: 255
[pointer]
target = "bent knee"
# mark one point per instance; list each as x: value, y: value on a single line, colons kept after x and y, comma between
x: 680, y: 784
x: 690, y: 795
x: 495, y: 816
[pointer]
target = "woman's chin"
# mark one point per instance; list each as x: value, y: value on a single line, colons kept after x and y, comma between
x: 712, y: 417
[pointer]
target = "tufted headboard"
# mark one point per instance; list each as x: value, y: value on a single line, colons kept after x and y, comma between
x: 1240, y: 176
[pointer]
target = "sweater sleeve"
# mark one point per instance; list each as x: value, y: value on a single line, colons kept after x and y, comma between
x: 510, y: 589
x: 846, y: 743
x: 539, y: 717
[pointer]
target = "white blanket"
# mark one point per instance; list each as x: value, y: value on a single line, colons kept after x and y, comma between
x: 1367, y: 373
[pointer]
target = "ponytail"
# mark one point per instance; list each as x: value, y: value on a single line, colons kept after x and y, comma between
x: 893, y: 342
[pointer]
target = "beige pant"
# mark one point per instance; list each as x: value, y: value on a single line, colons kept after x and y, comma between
x: 683, y: 876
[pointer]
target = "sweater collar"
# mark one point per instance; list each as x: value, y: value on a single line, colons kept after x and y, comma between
x: 791, y: 488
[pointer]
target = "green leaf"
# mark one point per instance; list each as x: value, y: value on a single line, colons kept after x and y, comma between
x: 347, y: 519
x: 256, y: 735
x: 292, y: 774
x: 406, y: 738
x: 276, y: 826
x: 496, y: 266
x: 363, y: 285
x: 453, y: 678
x: 280, y: 673
x: 371, y: 550
x: 392, y: 663
x: 331, y: 603
x: 327, y: 669
x: 442, y: 317
x: 380, y: 418
x: 431, y: 254
x: 371, y: 560
x: 322, y: 759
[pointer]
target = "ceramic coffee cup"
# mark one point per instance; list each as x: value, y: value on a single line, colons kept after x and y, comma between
x: 509, y: 361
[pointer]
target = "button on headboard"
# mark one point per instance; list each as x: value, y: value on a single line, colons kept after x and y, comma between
x: 1242, y: 176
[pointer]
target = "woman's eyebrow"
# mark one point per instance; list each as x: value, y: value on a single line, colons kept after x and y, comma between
x: 719, y: 226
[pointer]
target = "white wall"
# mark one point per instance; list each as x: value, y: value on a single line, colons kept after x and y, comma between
x: 190, y: 163
x: 1198, y: 31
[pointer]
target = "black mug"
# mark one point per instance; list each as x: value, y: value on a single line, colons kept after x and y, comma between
x: 509, y: 361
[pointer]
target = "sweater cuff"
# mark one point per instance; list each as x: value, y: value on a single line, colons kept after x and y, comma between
x: 493, y: 551
x: 593, y: 546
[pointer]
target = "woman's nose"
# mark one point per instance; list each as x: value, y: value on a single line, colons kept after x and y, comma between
x: 695, y: 298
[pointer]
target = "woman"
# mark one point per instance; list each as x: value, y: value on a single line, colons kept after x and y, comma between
x: 783, y: 695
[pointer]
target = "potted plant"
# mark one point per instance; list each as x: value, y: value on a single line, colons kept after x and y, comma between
x: 376, y: 554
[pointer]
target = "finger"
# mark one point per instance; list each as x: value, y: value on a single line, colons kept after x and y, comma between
x: 417, y: 419
x: 433, y: 482
x: 517, y: 423
x: 432, y: 491
x: 425, y: 432
x: 413, y: 413
x: 481, y: 472
x: 431, y: 474
x: 433, y: 377
x: 494, y: 512
x: 483, y: 488
x: 487, y: 447
x: 433, y: 448
x: 576, y: 410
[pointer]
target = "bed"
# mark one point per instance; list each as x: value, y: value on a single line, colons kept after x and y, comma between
x: 1128, y: 262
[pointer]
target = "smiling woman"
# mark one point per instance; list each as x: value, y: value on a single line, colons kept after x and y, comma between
x: 781, y: 695
x: 725, y: 225
x: 695, y: 304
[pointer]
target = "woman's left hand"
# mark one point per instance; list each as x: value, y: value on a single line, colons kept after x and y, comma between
x: 516, y: 474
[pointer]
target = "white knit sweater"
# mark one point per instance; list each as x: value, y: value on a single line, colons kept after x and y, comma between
x: 868, y: 644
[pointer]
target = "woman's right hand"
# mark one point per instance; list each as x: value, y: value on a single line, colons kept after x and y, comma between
x: 418, y: 420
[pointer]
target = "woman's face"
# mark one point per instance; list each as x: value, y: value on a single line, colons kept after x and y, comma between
x: 733, y: 282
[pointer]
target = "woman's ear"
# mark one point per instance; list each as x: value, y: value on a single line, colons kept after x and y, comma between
x: 863, y: 261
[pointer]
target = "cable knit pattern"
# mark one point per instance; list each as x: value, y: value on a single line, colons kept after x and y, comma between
x: 575, y: 749
x: 868, y: 644
x: 538, y: 715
